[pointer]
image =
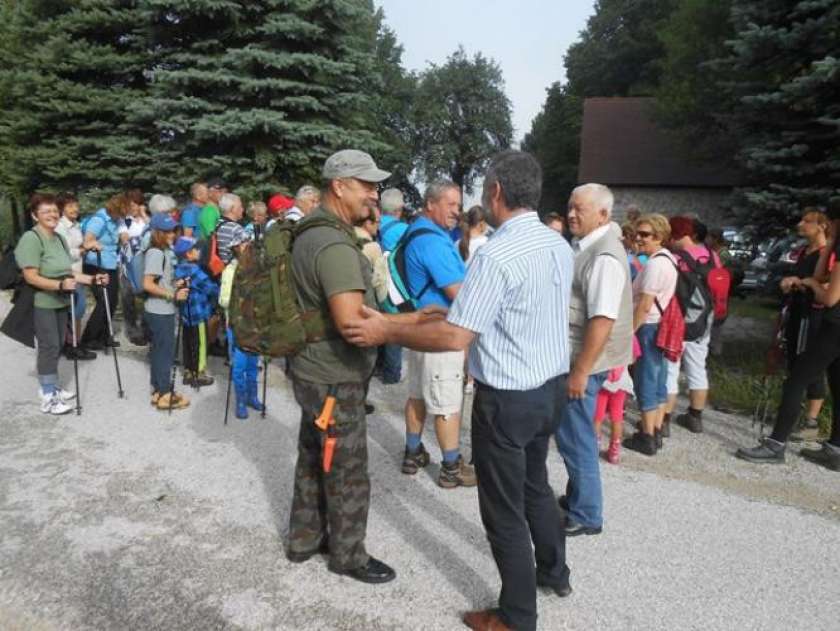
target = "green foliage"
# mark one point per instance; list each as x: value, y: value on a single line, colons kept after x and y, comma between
x: 617, y: 55
x: 462, y: 117
x: 783, y: 70
x: 259, y: 93
x: 688, y: 97
x: 70, y: 71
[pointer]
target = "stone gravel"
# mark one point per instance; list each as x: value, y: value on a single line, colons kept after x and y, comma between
x: 127, y: 518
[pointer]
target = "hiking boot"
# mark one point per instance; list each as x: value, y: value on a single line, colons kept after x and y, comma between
x: 52, y: 404
x: 692, y: 421
x: 253, y: 399
x: 614, y: 452
x: 155, y: 397
x: 414, y: 461
x: 827, y: 456
x: 768, y: 451
x: 454, y: 474
x: 373, y: 572
x: 179, y: 401
x: 189, y: 379
x: 78, y: 353
x: 203, y: 379
x: 641, y: 442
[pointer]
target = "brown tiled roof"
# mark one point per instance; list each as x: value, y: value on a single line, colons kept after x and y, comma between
x: 621, y: 144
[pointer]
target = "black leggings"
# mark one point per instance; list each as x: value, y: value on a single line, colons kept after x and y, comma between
x: 97, y: 325
x: 813, y: 317
x: 817, y: 358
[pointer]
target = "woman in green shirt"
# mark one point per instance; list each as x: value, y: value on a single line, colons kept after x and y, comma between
x: 45, y: 259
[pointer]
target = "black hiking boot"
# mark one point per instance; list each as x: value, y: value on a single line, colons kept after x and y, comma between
x: 768, y: 451
x: 414, y: 461
x: 827, y: 456
x: 641, y: 442
x: 692, y: 421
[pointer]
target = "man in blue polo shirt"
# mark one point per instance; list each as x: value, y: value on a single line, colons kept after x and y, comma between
x: 435, y: 271
x: 199, y: 196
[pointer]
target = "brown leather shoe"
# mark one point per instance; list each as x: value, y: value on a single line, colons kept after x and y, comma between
x: 486, y: 620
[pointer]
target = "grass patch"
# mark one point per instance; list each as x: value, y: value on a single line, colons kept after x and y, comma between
x: 755, y: 307
x: 738, y: 381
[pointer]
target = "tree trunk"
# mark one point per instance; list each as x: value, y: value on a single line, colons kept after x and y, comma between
x: 17, y: 230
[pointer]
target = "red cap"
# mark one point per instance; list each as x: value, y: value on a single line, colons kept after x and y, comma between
x: 279, y: 203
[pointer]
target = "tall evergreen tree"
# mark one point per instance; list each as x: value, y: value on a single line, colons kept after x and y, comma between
x: 77, y: 68
x: 462, y: 118
x: 784, y: 72
x: 257, y: 92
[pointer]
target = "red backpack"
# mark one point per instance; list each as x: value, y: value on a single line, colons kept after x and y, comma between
x: 718, y: 280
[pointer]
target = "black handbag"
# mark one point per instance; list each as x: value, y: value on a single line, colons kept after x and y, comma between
x: 20, y: 321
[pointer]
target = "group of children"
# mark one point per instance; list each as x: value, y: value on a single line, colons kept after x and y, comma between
x: 177, y: 287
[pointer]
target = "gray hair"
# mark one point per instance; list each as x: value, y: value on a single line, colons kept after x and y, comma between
x: 307, y: 190
x: 391, y: 201
x: 520, y: 177
x: 194, y: 188
x: 436, y: 189
x: 256, y: 207
x: 228, y: 201
x: 600, y: 194
x: 161, y: 204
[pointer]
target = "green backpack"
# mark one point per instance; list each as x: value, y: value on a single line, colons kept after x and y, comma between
x: 265, y: 313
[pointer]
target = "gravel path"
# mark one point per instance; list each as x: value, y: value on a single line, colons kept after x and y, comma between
x: 125, y: 518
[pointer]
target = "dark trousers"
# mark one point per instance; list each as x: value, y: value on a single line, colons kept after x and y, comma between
x: 818, y: 358
x: 510, y: 436
x: 191, y: 343
x: 812, y: 320
x: 97, y: 326
x: 390, y: 361
x: 332, y: 505
x: 161, y: 350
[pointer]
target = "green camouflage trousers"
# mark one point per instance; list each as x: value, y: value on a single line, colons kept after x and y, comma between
x: 332, y: 505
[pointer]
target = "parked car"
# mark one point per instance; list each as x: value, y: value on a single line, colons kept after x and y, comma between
x: 776, y: 259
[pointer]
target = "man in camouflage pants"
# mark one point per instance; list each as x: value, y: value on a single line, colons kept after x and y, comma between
x: 330, y: 510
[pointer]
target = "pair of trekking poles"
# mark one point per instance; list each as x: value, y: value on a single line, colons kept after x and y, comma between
x: 110, y: 343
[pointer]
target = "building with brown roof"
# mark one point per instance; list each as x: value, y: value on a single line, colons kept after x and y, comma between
x: 623, y: 147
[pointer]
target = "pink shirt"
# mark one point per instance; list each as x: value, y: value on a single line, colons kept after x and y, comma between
x: 658, y: 278
x: 701, y: 252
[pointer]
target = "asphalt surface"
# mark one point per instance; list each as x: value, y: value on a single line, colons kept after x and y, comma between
x: 127, y: 518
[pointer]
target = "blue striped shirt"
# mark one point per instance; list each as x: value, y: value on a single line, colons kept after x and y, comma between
x: 516, y: 297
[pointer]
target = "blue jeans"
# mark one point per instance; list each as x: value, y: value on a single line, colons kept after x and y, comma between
x: 161, y: 349
x: 578, y: 444
x: 651, y: 372
x: 246, y: 367
x: 391, y: 363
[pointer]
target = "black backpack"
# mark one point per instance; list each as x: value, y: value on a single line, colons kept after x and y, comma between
x: 694, y: 296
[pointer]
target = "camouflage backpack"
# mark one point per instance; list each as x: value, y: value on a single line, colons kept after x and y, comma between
x: 264, y: 310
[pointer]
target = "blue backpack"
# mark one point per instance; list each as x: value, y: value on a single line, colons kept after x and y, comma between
x: 400, y: 299
x: 136, y: 268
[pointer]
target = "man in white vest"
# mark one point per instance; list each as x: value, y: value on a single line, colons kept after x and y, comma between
x: 601, y: 333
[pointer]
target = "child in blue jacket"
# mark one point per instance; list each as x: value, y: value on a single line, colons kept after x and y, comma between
x: 195, y: 311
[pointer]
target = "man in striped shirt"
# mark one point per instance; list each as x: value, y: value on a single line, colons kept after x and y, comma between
x: 512, y: 312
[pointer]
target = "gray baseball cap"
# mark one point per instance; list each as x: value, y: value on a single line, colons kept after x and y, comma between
x: 355, y: 164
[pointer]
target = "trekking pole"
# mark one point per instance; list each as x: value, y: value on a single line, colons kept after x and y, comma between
x: 104, y: 289
x: 75, y: 351
x: 227, y: 397
x: 174, y: 374
x: 265, y: 384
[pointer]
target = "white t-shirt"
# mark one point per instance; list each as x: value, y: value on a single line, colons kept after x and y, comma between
x: 475, y: 243
x: 659, y: 278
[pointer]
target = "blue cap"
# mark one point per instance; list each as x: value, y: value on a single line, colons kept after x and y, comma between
x: 183, y: 245
x: 164, y: 222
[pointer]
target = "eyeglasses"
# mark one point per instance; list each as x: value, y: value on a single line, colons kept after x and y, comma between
x: 48, y: 211
x: 643, y: 234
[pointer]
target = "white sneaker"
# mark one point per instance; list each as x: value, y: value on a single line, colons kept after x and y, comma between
x: 65, y: 395
x: 53, y: 404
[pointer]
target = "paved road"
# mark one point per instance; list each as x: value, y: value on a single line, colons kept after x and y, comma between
x: 125, y: 518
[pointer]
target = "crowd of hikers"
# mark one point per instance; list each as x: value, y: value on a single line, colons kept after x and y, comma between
x: 551, y: 322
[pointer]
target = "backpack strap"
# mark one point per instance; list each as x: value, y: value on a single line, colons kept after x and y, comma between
x: 387, y: 228
x: 408, y: 238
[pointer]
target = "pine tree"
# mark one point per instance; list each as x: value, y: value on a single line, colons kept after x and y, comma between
x: 784, y: 71
x: 77, y: 68
x: 259, y: 93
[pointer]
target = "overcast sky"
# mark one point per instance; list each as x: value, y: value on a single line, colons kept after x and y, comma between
x: 527, y: 38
